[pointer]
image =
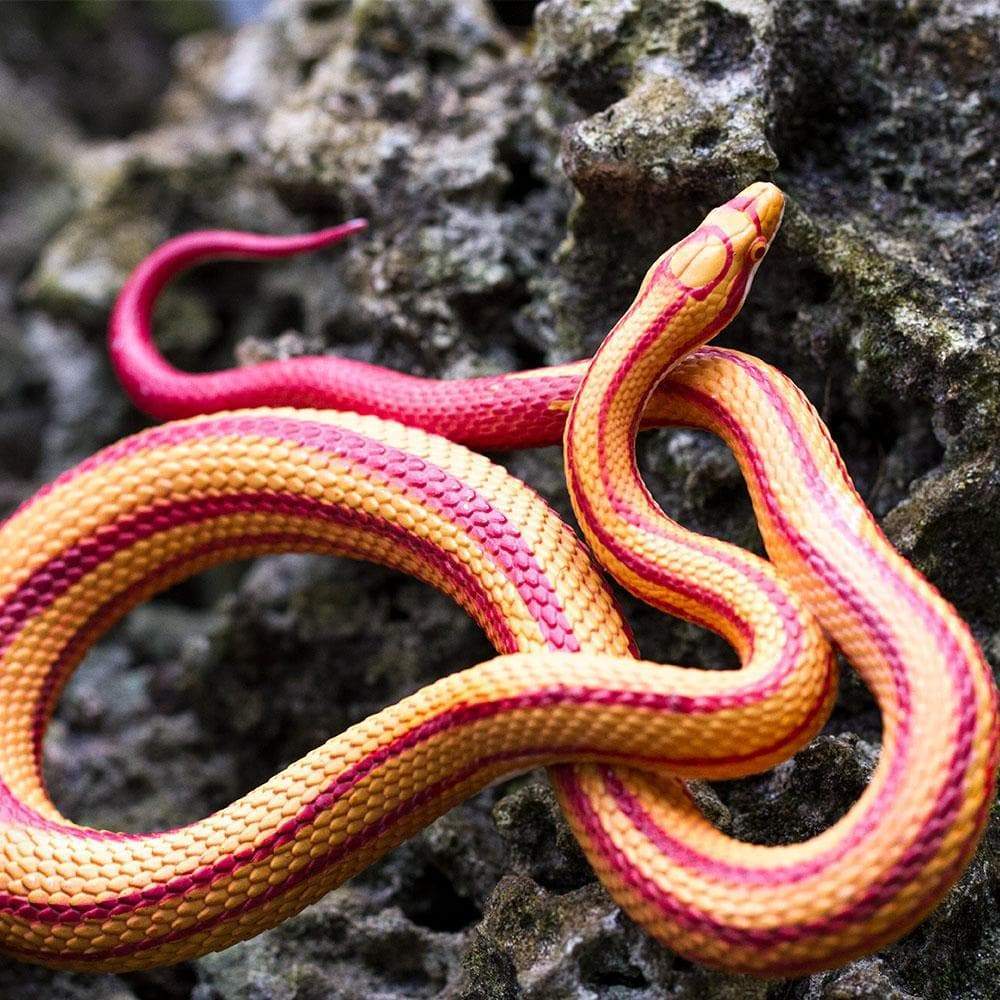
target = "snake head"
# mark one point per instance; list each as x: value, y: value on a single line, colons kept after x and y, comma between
x: 752, y: 218
x: 732, y: 240
x: 712, y: 268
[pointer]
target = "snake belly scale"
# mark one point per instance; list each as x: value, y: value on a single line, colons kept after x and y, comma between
x: 338, y: 457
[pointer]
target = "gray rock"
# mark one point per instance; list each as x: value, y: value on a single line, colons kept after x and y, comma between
x: 340, y: 947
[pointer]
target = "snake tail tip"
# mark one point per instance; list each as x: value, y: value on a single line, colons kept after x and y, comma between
x: 343, y: 230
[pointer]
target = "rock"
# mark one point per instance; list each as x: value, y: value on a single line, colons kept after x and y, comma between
x: 307, y: 646
x: 27, y: 982
x: 865, y: 979
x: 798, y: 800
x: 340, y: 947
x: 963, y: 562
x: 71, y: 59
x: 536, y: 945
x: 539, y: 838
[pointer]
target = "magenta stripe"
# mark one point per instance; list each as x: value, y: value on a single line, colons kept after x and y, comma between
x: 696, y: 920
x: 125, y: 905
x: 456, y: 717
x: 652, y: 337
x: 879, y: 633
x: 853, y: 599
x: 948, y: 645
x: 474, y: 598
x: 430, y: 486
x: 946, y: 641
x: 140, y: 525
x: 712, y: 868
x: 58, y: 575
x: 436, y: 489
x: 353, y: 843
x: 654, y: 332
x: 648, y: 339
x: 479, y: 604
x: 792, y: 647
x: 747, y: 205
x: 461, y: 715
x: 156, y: 437
x: 691, y: 918
x: 941, y: 630
x: 949, y: 799
x: 928, y: 840
x: 660, y: 574
x: 654, y: 572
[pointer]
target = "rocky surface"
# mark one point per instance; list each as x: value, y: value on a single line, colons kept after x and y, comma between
x: 518, y: 182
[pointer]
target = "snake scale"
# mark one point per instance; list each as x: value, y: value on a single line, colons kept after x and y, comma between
x: 333, y: 456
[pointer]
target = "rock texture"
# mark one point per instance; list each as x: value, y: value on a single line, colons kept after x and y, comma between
x: 518, y: 181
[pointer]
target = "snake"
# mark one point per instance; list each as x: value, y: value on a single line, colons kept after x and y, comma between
x: 330, y: 455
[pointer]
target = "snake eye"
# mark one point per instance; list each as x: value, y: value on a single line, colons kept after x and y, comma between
x: 757, y: 249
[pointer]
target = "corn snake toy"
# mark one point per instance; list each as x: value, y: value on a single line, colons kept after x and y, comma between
x: 567, y: 689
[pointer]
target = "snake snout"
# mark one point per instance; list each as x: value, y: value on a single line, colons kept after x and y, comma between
x: 763, y: 204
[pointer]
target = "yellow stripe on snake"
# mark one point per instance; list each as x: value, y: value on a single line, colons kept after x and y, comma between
x: 567, y: 690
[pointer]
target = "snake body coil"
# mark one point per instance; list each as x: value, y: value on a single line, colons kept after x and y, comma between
x: 567, y: 691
